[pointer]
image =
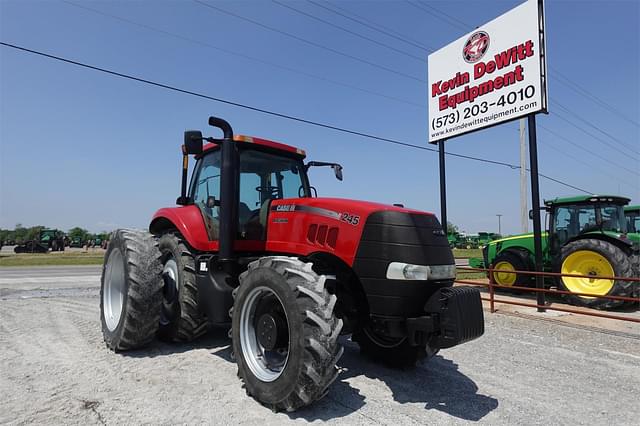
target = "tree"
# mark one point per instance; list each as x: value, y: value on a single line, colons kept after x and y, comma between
x: 78, y: 232
x: 451, y: 228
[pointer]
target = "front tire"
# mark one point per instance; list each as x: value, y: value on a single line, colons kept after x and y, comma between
x: 509, y: 261
x: 180, y: 319
x: 285, y: 333
x: 595, y: 257
x: 130, y: 292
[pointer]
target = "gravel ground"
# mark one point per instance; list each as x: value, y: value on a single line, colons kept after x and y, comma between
x: 55, y: 369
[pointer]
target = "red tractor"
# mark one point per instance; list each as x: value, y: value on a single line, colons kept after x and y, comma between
x: 251, y: 246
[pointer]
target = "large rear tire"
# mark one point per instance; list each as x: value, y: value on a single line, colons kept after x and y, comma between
x: 595, y: 257
x: 392, y: 352
x: 285, y: 333
x: 180, y: 319
x: 130, y: 292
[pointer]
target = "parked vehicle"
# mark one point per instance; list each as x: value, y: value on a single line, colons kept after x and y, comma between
x: 587, y: 235
x: 250, y: 245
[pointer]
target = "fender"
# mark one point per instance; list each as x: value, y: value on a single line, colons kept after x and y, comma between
x: 626, y: 246
x: 188, y: 221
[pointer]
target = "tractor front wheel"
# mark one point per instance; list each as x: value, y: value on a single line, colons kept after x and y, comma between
x: 180, y: 318
x: 595, y: 258
x: 504, y: 266
x: 285, y: 333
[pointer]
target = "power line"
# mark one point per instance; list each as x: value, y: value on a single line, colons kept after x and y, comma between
x: 450, y: 20
x: 371, y: 25
x: 560, y: 117
x: 312, y: 43
x: 582, y: 148
x: 272, y: 113
x: 609, y: 135
x: 348, y: 31
x: 574, y: 158
x: 593, y: 98
x: 244, y: 56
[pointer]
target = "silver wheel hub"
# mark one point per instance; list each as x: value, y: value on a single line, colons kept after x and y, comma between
x: 169, y: 290
x: 114, y: 289
x: 264, y: 334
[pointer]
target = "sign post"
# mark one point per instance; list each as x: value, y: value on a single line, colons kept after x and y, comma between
x: 492, y: 75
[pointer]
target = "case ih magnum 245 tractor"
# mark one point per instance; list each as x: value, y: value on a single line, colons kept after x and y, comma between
x: 250, y: 247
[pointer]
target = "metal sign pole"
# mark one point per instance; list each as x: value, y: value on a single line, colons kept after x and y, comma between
x: 535, y: 203
x: 443, y: 188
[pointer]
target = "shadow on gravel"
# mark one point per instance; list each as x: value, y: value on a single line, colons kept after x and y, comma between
x: 437, y: 383
x: 215, y: 340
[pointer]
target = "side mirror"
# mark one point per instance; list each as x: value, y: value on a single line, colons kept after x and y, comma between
x: 531, y: 214
x: 193, y: 142
x: 337, y: 169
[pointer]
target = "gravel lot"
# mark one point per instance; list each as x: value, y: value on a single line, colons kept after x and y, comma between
x: 56, y: 369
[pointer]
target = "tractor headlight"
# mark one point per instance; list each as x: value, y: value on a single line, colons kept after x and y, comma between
x: 407, y: 271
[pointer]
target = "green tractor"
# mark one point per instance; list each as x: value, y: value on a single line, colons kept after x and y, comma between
x: 587, y: 235
x: 453, y: 238
x: 52, y: 239
x: 632, y: 213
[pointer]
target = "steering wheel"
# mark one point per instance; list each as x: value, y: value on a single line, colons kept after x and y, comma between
x: 271, y: 191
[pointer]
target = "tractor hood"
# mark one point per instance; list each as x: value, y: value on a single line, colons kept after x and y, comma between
x: 346, y: 210
x: 353, y: 229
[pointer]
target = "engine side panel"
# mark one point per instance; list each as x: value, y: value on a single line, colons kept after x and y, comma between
x: 307, y: 225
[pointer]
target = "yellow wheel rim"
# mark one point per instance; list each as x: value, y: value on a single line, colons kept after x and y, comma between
x: 503, y: 278
x: 585, y: 262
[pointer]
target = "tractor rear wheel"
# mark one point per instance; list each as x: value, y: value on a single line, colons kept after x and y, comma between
x: 595, y: 258
x: 130, y: 292
x: 392, y: 352
x: 285, y: 333
x: 180, y: 318
x: 509, y: 261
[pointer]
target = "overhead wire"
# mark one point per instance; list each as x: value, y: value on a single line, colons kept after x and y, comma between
x: 312, y: 43
x: 269, y: 112
x: 375, y: 26
x: 348, y: 31
x: 242, y: 55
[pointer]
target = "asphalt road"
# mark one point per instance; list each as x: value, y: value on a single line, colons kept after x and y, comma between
x: 56, y: 369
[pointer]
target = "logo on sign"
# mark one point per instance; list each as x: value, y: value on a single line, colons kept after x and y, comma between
x: 476, y: 46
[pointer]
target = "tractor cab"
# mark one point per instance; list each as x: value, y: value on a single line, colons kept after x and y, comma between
x: 574, y: 217
x: 632, y: 214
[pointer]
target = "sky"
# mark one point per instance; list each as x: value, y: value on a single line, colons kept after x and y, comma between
x: 81, y: 148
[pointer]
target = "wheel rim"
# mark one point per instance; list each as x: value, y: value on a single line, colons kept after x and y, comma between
x: 585, y: 262
x: 504, y: 278
x: 171, y: 282
x: 265, y: 350
x: 114, y: 288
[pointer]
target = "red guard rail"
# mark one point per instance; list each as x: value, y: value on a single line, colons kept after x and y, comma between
x: 492, y: 286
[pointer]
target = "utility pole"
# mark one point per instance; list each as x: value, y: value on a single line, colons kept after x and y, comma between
x: 499, y: 225
x: 524, y: 211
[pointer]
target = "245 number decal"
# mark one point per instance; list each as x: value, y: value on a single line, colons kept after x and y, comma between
x: 351, y: 219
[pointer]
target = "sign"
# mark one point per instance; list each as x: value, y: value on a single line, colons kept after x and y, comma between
x: 494, y: 74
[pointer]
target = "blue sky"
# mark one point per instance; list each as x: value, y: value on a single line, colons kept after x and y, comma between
x: 82, y: 148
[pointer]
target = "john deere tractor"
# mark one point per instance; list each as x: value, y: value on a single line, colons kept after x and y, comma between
x: 251, y: 246
x: 632, y: 213
x: 587, y: 235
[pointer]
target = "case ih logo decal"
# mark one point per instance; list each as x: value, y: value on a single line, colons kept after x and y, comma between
x: 475, y: 47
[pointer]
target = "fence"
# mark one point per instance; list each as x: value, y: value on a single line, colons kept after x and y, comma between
x: 492, y: 287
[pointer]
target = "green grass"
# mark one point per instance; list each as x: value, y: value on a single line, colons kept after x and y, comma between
x: 464, y: 253
x: 51, y: 259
